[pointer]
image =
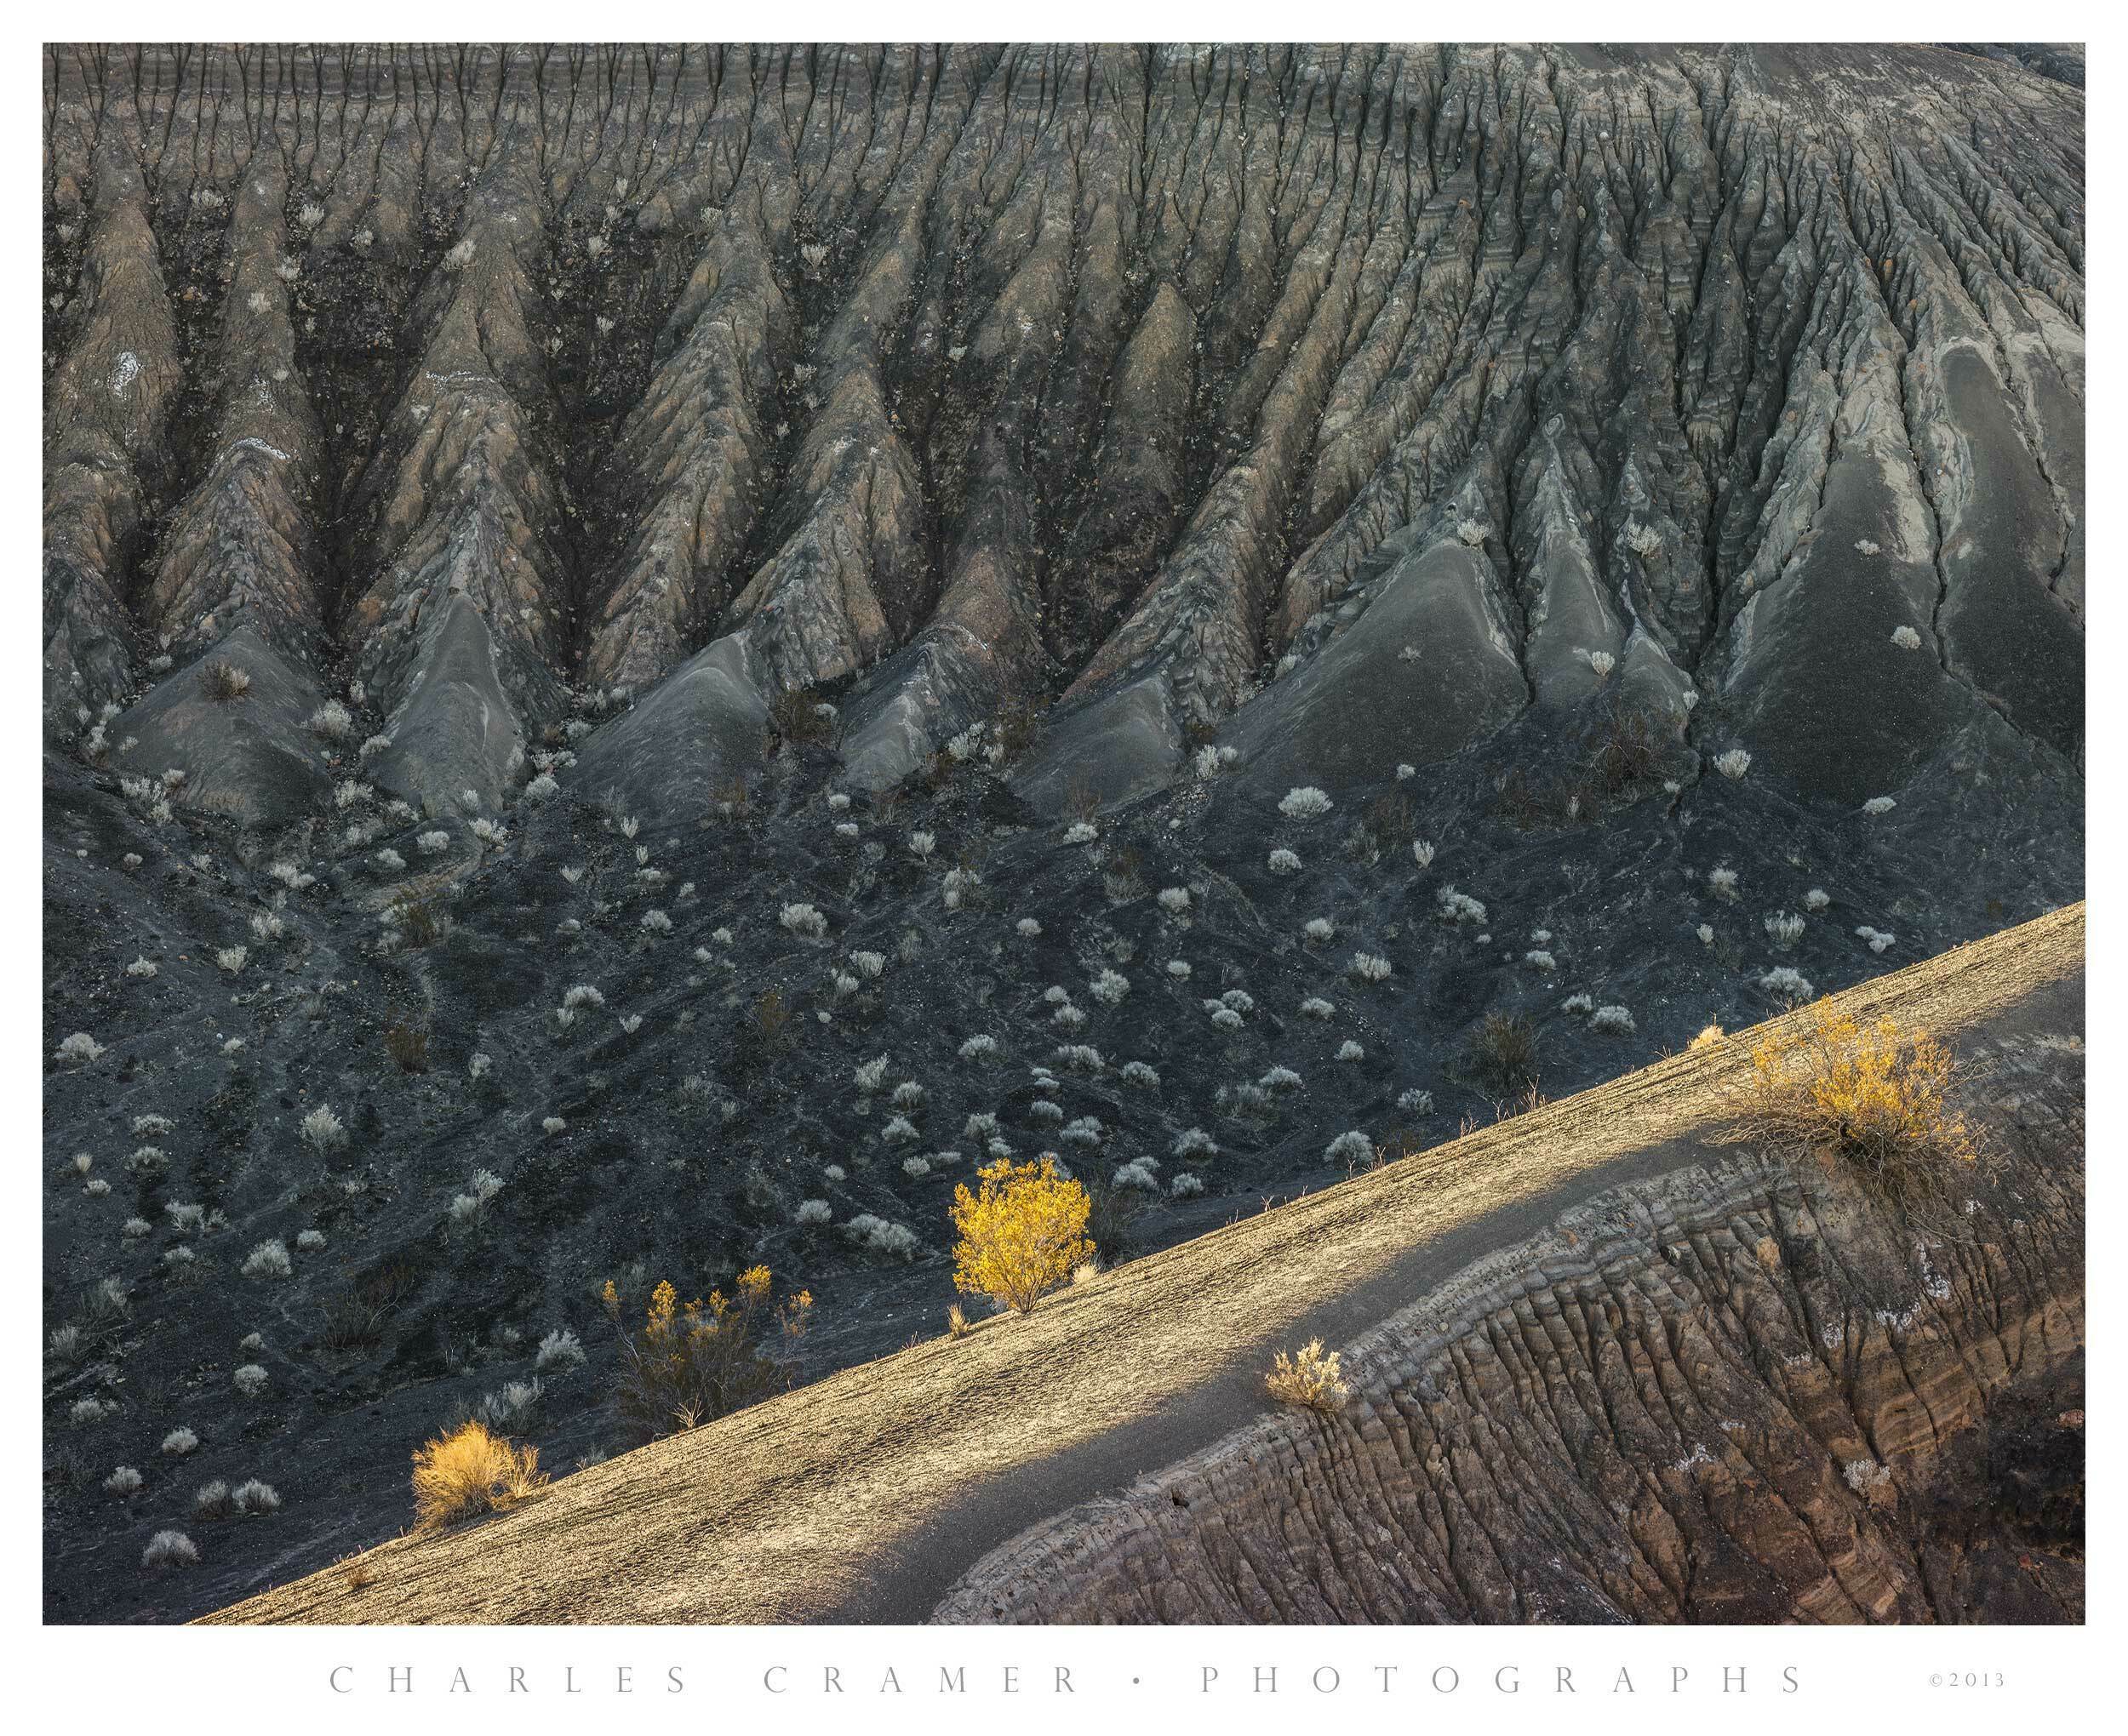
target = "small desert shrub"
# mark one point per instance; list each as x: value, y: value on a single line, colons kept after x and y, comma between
x: 1876, y: 1099
x: 1459, y: 906
x: 1504, y: 1054
x: 123, y: 1482
x: 469, y: 1472
x: 1310, y: 1379
x: 1351, y: 1146
x: 1371, y: 967
x: 878, y: 1235
x: 1733, y: 764
x: 170, y: 1549
x: 771, y: 1014
x: 255, y: 1497
x: 796, y: 714
x: 1285, y: 862
x: 561, y: 1349
x: 511, y: 1411
x: 1020, y: 1235
x: 803, y: 919
x: 80, y: 1047
x: 322, y: 1131
x: 1789, y: 984
x: 408, y: 1046
x: 268, y: 1259
x: 250, y: 1379
x: 356, y: 1315
x: 223, y: 682
x: 331, y: 720
x: 1625, y: 749
x: 685, y: 1366
x: 1305, y: 802
x: 1612, y: 1021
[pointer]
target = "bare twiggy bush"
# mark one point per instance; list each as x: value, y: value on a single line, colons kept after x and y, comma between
x: 1504, y: 1054
x: 795, y: 716
x: 687, y: 1365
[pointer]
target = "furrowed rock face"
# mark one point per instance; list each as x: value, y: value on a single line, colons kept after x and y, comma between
x: 591, y: 597
x: 959, y: 383
x: 1720, y: 1399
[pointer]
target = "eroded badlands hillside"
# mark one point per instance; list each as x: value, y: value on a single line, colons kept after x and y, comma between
x: 1605, y: 1367
x: 650, y: 653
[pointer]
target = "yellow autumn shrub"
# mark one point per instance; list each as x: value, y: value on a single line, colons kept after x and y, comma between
x: 1876, y: 1097
x: 1309, y: 1378
x: 468, y: 1472
x: 1021, y: 1234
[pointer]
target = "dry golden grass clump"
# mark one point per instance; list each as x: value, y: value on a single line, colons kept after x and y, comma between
x: 1022, y: 1235
x: 685, y: 1367
x: 1709, y: 1035
x: 1875, y: 1098
x: 1309, y: 1378
x: 470, y: 1471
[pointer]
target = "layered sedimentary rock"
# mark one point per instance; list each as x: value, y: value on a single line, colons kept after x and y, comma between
x: 1724, y: 1399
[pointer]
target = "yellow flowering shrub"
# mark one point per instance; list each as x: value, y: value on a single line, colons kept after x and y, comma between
x: 685, y: 1366
x: 1021, y: 1235
x: 1876, y: 1097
